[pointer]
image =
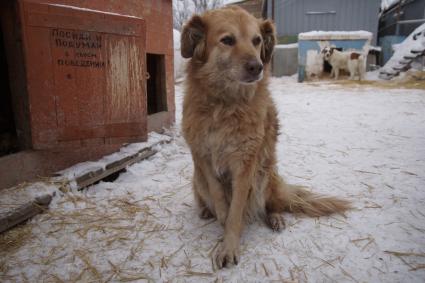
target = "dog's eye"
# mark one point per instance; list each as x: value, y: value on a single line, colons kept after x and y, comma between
x: 228, y: 40
x: 256, y: 40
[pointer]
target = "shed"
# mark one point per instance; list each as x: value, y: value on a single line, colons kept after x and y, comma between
x: 80, y: 79
x: 296, y: 16
x: 397, y: 21
x: 310, y: 44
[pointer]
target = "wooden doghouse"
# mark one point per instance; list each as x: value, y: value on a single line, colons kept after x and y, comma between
x: 79, y: 79
x: 310, y: 44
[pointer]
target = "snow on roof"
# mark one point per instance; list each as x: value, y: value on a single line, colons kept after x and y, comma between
x: 92, y: 10
x: 286, y: 46
x: 375, y: 48
x: 332, y: 35
x: 385, y: 4
x: 230, y: 2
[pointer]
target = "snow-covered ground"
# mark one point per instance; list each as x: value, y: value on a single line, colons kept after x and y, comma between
x: 361, y: 142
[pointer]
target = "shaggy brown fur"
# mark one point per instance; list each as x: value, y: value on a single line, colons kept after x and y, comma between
x: 354, y: 56
x: 231, y: 126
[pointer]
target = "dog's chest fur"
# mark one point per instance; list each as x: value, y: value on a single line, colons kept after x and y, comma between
x: 224, y: 131
x: 339, y: 59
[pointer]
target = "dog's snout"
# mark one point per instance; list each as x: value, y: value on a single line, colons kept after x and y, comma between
x: 253, y: 67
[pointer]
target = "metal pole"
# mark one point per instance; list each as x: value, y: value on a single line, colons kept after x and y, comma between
x: 397, y: 27
x: 411, y: 21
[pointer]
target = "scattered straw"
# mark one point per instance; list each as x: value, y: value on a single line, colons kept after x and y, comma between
x: 170, y: 257
x: 389, y: 186
x: 409, y: 173
x: 330, y: 225
x: 370, y: 188
x: 265, y: 270
x: 367, y: 172
x: 372, y: 205
x: 412, y: 266
x: 56, y: 278
x: 414, y: 80
x: 86, y: 260
x: 328, y: 262
x: 15, y: 238
x: 348, y: 274
x: 197, y: 273
x: 405, y: 253
x: 419, y: 266
x: 420, y: 213
x: 208, y: 223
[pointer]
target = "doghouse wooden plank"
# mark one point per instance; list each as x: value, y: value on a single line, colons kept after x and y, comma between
x: 24, y: 212
x: 124, y: 80
x: 61, y: 16
x: 41, y: 87
x: 110, y: 130
x: 86, y: 75
x: 92, y: 177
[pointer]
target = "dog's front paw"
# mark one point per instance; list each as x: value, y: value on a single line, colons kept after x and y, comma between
x: 227, y: 254
x: 206, y: 213
x: 276, y: 222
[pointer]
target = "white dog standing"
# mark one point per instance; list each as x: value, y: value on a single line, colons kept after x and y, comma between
x: 350, y: 61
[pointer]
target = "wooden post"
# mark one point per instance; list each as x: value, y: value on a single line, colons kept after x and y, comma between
x: 24, y: 212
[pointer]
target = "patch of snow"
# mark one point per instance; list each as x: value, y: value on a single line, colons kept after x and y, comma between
x: 414, y: 42
x: 92, y: 10
x: 375, y: 48
x: 286, y: 46
x: 128, y: 150
x: 230, y: 2
x: 12, y: 198
x: 314, y: 63
x: 179, y: 61
x: 176, y: 39
x: 372, y: 76
x: 385, y: 4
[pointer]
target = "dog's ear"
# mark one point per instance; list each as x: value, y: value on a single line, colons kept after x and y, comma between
x: 193, y: 38
x: 269, y: 40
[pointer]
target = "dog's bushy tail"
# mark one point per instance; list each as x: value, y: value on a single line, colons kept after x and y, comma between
x: 297, y: 199
x: 300, y: 200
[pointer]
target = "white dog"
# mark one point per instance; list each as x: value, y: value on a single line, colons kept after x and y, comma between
x: 350, y: 61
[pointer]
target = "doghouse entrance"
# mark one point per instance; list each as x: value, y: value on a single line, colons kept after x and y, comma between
x: 155, y: 87
x: 8, y: 140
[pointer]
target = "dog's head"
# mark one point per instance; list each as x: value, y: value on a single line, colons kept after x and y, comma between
x: 230, y: 44
x: 327, y: 52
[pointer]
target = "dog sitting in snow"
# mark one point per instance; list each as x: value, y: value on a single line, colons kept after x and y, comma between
x: 352, y: 62
x: 230, y: 124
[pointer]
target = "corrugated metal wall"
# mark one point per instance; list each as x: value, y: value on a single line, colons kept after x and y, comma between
x: 296, y: 16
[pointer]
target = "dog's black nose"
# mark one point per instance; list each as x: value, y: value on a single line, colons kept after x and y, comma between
x: 253, y: 67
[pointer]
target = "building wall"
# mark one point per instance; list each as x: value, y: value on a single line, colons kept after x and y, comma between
x: 285, y: 60
x: 409, y: 10
x: 295, y: 16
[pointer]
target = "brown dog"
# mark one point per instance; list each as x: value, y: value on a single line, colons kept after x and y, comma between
x: 231, y: 126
